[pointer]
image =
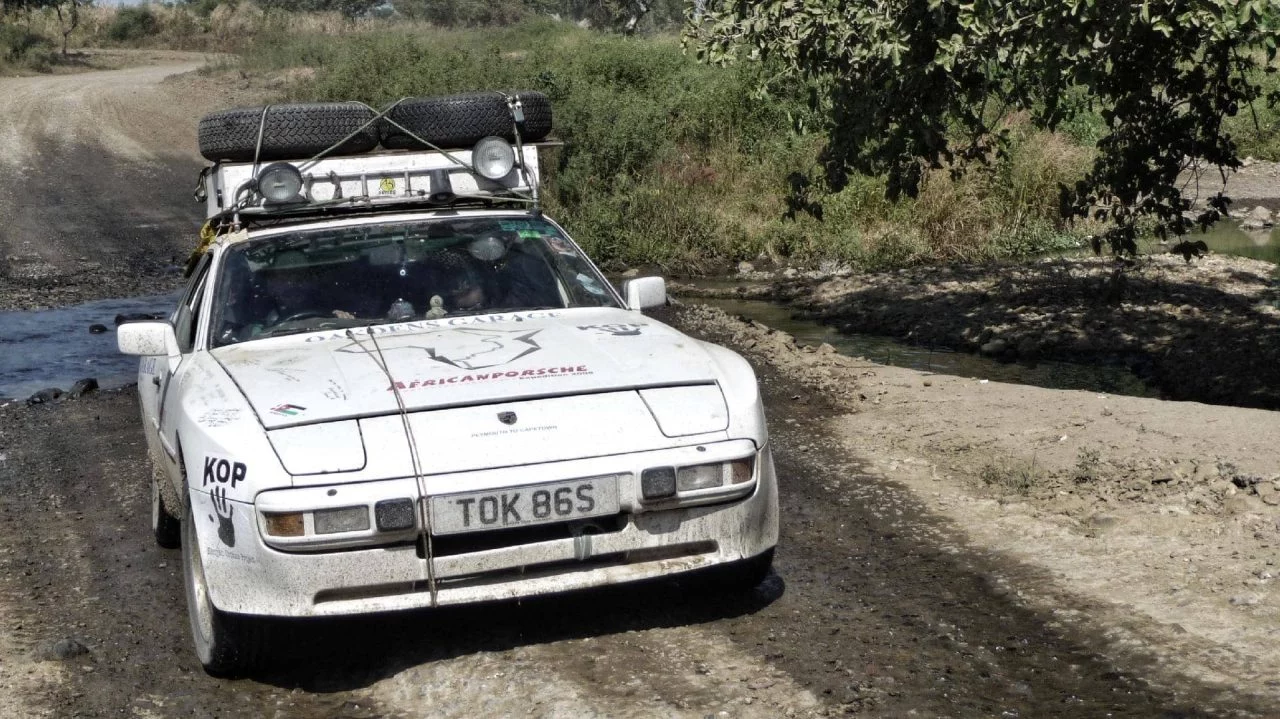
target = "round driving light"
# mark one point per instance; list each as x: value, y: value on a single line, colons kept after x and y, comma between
x: 280, y: 182
x: 493, y: 158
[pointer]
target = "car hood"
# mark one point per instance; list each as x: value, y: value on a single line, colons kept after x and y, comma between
x: 459, y: 362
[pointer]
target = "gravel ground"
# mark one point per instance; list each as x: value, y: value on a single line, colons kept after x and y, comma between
x: 949, y: 547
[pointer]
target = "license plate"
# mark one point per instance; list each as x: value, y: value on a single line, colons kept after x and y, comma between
x: 522, y: 506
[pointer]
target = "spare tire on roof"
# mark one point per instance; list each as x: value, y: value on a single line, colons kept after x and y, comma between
x: 290, y: 132
x: 455, y: 121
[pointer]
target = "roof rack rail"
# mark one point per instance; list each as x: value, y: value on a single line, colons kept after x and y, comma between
x: 491, y: 172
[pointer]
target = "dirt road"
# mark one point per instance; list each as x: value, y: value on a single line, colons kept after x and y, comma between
x: 905, y: 585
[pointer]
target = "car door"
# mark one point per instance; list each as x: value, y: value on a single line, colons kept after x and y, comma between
x: 168, y: 372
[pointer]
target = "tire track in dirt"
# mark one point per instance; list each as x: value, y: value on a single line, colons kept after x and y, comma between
x: 101, y: 167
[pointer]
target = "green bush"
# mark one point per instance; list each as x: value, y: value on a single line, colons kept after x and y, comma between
x: 132, y: 24
x: 674, y: 163
x: 23, y: 48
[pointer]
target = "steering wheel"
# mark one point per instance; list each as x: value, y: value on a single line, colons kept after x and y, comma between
x: 303, y: 315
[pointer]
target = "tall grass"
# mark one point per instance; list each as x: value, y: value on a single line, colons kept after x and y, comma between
x: 667, y: 162
x: 673, y: 163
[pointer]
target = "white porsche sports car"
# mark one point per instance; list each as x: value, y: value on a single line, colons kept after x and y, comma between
x: 386, y: 388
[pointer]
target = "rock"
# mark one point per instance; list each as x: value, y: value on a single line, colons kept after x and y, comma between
x: 994, y: 348
x: 631, y: 273
x: 790, y: 273
x: 135, y: 317
x: 96, y: 329
x: 48, y: 394
x: 760, y: 683
x: 1028, y: 350
x: 64, y: 649
x: 1244, y: 600
x: 746, y: 268
x: 83, y: 387
x: 1257, y: 219
x: 1268, y: 492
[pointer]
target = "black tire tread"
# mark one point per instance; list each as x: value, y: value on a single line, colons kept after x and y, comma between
x: 455, y: 121
x: 290, y: 131
x: 168, y: 531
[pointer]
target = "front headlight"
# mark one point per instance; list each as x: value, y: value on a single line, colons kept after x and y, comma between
x: 345, y: 519
x: 706, y: 476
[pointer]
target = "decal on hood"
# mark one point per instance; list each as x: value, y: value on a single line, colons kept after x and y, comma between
x: 469, y: 348
x: 617, y: 330
x: 288, y: 410
x: 540, y: 372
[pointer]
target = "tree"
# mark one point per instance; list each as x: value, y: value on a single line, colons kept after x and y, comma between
x: 69, y: 21
x: 918, y: 84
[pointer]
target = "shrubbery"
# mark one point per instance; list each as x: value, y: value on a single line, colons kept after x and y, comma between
x: 132, y: 24
x: 678, y: 164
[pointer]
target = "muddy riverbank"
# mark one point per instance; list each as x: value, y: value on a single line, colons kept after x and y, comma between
x: 1203, y: 331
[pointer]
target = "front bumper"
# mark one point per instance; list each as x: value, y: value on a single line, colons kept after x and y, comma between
x: 249, y: 577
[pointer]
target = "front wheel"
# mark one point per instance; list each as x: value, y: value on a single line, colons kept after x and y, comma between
x: 165, y: 525
x: 226, y: 644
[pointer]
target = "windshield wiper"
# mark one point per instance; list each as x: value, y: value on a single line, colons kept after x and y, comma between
x: 286, y: 331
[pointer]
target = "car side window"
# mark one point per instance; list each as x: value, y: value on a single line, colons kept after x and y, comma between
x: 187, y: 318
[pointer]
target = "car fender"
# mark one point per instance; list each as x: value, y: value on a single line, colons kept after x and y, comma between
x: 741, y: 394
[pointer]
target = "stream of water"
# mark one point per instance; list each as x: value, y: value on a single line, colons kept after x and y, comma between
x: 54, y: 348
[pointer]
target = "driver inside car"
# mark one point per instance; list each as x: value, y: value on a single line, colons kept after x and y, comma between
x: 462, y: 282
x: 290, y: 286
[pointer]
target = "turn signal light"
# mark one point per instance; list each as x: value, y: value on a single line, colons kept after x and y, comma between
x: 285, y: 525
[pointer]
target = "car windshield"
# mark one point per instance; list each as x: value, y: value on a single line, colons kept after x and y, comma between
x: 371, y: 274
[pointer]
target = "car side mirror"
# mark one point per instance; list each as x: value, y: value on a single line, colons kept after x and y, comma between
x: 644, y: 292
x: 147, y: 339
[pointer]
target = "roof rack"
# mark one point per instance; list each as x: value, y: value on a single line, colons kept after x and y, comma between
x: 234, y: 192
x: 381, y: 181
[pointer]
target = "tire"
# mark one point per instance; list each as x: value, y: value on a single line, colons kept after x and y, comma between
x: 165, y: 525
x: 290, y: 132
x: 458, y: 121
x: 227, y: 645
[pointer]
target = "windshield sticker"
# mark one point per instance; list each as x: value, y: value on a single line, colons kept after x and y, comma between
x: 539, y: 373
x: 561, y: 246
x: 387, y: 186
x: 424, y: 325
x: 522, y: 225
x: 288, y: 410
x: 617, y: 330
x: 590, y: 285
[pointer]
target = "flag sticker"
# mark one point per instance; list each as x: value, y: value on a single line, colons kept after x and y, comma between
x: 288, y: 410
